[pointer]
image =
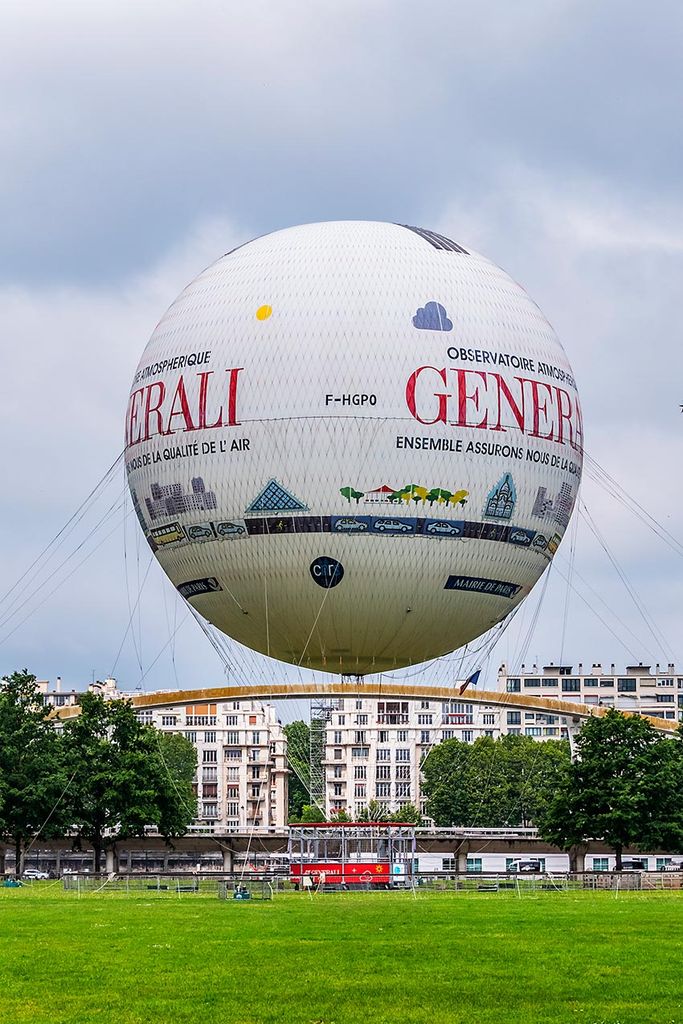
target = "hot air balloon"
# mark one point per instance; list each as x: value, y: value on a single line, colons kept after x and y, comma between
x: 353, y: 446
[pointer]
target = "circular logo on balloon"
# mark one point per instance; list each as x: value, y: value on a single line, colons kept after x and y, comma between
x: 327, y: 572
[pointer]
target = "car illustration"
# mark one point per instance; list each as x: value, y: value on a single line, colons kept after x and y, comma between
x: 350, y: 524
x: 443, y: 529
x: 229, y: 529
x: 202, y: 531
x: 393, y: 525
x: 520, y: 537
x: 540, y: 541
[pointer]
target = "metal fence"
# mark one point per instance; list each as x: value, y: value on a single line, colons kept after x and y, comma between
x: 269, y: 885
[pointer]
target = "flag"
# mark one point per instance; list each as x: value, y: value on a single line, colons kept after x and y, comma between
x: 471, y: 680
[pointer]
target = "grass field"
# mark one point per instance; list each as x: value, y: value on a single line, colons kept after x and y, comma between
x: 344, y: 958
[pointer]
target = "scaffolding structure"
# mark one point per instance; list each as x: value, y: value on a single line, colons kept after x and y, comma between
x: 372, y: 854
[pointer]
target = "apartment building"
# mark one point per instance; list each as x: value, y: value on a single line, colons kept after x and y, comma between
x: 374, y: 748
x: 241, y: 780
x: 657, y: 692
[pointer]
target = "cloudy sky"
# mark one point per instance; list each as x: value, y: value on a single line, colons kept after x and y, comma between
x: 139, y: 142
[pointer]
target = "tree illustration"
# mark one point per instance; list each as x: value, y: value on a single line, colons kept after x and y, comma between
x: 459, y: 498
x: 433, y: 495
x: 419, y: 494
x: 349, y: 493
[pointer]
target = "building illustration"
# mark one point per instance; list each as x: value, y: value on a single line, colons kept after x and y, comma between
x: 501, y: 500
x: 555, y: 510
x: 171, y: 499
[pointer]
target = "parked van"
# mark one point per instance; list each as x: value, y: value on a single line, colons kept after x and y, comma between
x: 525, y: 867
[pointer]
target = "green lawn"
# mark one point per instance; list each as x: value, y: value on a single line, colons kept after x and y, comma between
x: 347, y: 958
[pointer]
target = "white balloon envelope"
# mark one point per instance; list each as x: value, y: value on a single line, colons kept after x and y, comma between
x: 354, y: 446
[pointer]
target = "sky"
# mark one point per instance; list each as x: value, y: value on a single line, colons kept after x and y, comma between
x: 139, y: 142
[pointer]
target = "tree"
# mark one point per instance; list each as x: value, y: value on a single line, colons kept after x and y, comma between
x: 298, y: 761
x: 624, y: 788
x: 125, y: 775
x: 175, y: 765
x: 309, y: 813
x: 33, y: 779
x: 373, y: 811
x: 408, y: 814
x: 492, y: 783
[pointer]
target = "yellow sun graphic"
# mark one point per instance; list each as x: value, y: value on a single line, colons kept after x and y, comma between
x: 263, y: 312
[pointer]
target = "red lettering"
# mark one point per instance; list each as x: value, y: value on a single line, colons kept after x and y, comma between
x: 132, y: 418
x: 154, y: 409
x: 183, y: 410
x: 516, y: 410
x: 232, y: 420
x: 474, y: 396
x: 442, y: 397
x: 564, y: 413
x: 540, y: 409
x: 203, y: 387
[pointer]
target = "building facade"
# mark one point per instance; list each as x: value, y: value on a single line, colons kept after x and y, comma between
x: 241, y: 780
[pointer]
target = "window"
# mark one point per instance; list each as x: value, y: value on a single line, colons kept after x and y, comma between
x: 254, y: 754
x: 360, y: 737
x: 337, y: 771
x: 210, y: 789
x: 252, y: 719
x: 600, y: 863
x: 473, y: 865
x: 210, y: 756
x: 168, y: 719
x: 191, y: 736
x: 392, y: 712
x: 256, y: 737
x: 665, y: 682
x: 232, y: 774
x: 233, y: 754
x: 235, y: 705
x: 361, y: 719
x: 513, y: 685
x: 665, y: 698
x: 383, y: 771
x: 424, y: 704
x: 425, y: 736
x: 448, y: 734
x: 145, y: 717
x: 514, y: 717
x: 550, y: 732
x: 209, y: 810
x: 403, y: 753
x: 232, y: 810
x: 209, y: 774
x: 359, y: 705
x: 342, y: 720
x: 255, y: 792
x: 232, y: 792
x: 532, y: 683
x: 255, y: 771
x: 514, y: 732
x: 383, y: 754
x: 590, y: 682
x: 360, y: 771
x: 209, y: 737
x: 549, y: 682
x: 467, y: 736
x: 626, y: 685
x: 571, y: 685
x: 402, y: 736
x: 606, y: 683
x: 360, y: 751
x: 403, y: 790
x: 360, y: 790
x: 424, y: 719
x: 662, y: 863
x: 337, y: 788
x: 489, y: 719
x: 532, y: 730
x: 383, y: 789
x: 529, y: 715
x: 232, y: 738
x: 402, y: 771
x: 338, y: 754
x: 449, y: 864
x: 231, y: 720
x: 337, y: 736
